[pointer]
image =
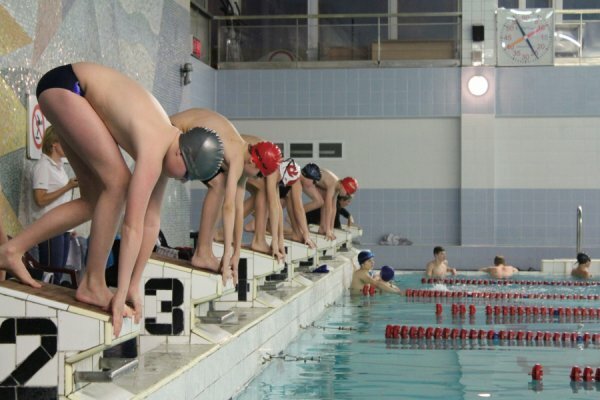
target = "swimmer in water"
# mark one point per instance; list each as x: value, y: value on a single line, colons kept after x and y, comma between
x: 438, y: 267
x: 582, y: 269
x: 361, y: 276
x: 499, y: 270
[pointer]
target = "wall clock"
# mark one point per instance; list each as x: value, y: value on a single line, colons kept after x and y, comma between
x: 525, y: 36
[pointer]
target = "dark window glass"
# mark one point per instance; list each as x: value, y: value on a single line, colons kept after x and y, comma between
x: 301, y: 150
x: 330, y: 150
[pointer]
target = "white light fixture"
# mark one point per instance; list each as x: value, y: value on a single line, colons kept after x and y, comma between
x: 478, y: 85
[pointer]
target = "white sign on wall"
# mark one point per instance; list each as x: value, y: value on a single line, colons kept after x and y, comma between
x: 36, y: 126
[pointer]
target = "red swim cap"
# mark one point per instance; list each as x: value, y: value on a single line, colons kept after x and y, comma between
x: 266, y: 156
x: 350, y: 185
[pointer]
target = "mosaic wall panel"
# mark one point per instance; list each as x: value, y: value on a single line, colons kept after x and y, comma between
x: 147, y: 40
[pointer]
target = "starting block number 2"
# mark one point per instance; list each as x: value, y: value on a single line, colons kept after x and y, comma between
x: 13, y: 385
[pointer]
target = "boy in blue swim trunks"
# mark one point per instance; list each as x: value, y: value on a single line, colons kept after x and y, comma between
x: 96, y: 112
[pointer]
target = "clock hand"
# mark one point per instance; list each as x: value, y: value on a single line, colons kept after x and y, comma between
x: 526, y: 38
x: 530, y: 34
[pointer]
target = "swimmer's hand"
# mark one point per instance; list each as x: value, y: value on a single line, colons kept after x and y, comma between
x: 135, y: 303
x: 73, y: 183
x: 308, y: 241
x: 277, y: 254
x: 225, y: 268
x: 235, y: 260
x: 117, y: 308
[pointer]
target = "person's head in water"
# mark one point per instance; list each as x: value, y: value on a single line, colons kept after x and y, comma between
x: 365, y: 256
x: 583, y: 259
x: 386, y: 273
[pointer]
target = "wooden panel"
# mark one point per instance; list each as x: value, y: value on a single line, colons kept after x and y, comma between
x: 424, y: 50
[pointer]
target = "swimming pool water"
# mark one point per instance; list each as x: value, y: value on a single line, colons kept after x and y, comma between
x: 358, y: 362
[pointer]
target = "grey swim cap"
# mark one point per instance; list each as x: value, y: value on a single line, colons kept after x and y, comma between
x: 202, y: 151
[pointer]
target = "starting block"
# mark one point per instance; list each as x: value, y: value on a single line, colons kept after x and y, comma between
x: 297, y: 251
x: 343, y: 239
x: 257, y: 266
x: 326, y: 249
x: 174, y: 294
x: 355, y: 230
x: 47, y: 339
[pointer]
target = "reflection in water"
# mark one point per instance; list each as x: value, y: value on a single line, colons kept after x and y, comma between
x: 362, y: 364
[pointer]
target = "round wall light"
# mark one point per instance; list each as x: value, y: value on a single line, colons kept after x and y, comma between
x: 478, y: 85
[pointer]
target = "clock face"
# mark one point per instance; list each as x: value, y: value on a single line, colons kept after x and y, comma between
x: 526, y: 37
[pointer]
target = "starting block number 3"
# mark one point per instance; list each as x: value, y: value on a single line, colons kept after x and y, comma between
x: 170, y: 306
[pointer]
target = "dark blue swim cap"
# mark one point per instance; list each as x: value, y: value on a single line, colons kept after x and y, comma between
x: 312, y: 171
x: 583, y: 258
x: 364, y: 256
x: 386, y: 273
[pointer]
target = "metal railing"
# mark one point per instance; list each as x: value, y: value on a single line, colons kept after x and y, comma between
x: 296, y: 41
x: 577, y: 36
x: 402, y: 39
x: 579, y: 229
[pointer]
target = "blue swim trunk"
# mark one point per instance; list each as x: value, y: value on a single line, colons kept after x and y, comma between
x: 60, y: 77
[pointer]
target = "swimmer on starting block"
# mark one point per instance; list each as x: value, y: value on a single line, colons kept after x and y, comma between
x: 327, y: 189
x: 289, y: 187
x: 438, y: 267
x: 499, y: 270
x: 96, y: 112
x: 226, y: 189
x: 264, y: 201
x: 582, y: 270
x: 291, y: 198
x: 361, y: 276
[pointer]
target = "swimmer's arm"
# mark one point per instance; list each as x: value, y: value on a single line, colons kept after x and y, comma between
x: 238, y: 227
x: 316, y: 199
x: 429, y: 269
x: 298, y: 211
x: 449, y: 268
x: 151, y: 230
x: 328, y: 211
x: 332, y: 195
x: 145, y: 177
x: 230, y: 212
x: 346, y: 214
x: 486, y: 269
x: 274, y: 208
x: 381, y: 285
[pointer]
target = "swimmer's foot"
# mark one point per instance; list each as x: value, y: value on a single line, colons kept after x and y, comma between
x: 296, y: 237
x: 206, y: 262
x: 249, y: 227
x: 219, y: 236
x: 12, y: 263
x: 260, y: 246
x: 99, y: 297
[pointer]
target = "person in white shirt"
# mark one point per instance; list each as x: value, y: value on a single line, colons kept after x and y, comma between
x: 51, y: 188
x: 3, y: 239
